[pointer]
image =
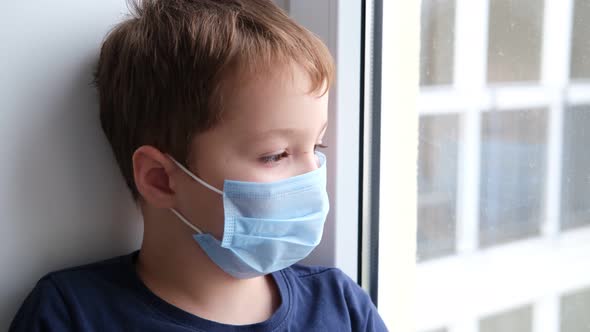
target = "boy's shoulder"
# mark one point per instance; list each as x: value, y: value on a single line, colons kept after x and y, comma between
x: 329, y: 292
x: 322, y: 273
x: 104, y: 270
x: 304, y: 271
x: 326, y: 280
x: 70, y: 296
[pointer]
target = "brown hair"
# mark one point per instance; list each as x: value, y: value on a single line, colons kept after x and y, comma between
x: 160, y: 73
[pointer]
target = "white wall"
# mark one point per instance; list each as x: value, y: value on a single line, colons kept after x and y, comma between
x: 283, y: 4
x: 62, y: 200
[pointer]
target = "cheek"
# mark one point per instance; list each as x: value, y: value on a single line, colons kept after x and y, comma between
x: 212, y: 171
x: 257, y: 172
x: 233, y: 166
x: 202, y: 207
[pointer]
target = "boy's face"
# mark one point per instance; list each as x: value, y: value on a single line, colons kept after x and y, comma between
x: 271, y: 126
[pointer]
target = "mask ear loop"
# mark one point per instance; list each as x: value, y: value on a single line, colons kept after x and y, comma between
x: 184, y: 220
x: 189, y: 173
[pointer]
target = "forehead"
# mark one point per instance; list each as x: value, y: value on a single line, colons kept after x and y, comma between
x: 279, y: 98
x: 286, y: 81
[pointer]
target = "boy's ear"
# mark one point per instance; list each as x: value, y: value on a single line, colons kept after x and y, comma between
x: 151, y: 171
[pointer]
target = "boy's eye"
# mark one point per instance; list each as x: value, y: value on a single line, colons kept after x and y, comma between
x: 319, y: 146
x: 275, y: 158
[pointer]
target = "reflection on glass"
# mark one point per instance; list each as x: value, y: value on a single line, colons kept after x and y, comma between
x: 437, y: 185
x: 574, y: 311
x: 575, y: 195
x: 518, y: 320
x: 514, y: 40
x: 436, y: 58
x: 580, y: 59
x: 512, y: 175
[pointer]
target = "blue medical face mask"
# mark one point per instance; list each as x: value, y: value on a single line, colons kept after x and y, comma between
x: 268, y: 226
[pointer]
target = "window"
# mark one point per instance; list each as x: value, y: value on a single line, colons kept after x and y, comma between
x: 502, y: 206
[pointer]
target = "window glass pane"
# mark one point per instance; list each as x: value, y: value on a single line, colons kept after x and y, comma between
x: 518, y: 320
x: 499, y: 171
x: 436, y: 59
x: 576, y: 168
x: 580, y: 59
x: 574, y: 311
x: 512, y: 175
x: 437, y: 185
x: 514, y: 44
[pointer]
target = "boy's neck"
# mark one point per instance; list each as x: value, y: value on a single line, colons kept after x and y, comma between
x: 183, y: 275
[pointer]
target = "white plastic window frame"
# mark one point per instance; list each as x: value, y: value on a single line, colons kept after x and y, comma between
x: 400, y: 47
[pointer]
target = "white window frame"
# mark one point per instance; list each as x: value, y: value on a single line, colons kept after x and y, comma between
x: 398, y: 158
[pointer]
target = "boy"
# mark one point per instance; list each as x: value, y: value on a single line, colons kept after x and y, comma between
x: 214, y: 110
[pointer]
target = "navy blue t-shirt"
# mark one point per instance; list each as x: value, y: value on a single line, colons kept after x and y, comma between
x: 109, y: 296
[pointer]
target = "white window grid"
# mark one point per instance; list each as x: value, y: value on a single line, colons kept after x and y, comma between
x: 455, y: 292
